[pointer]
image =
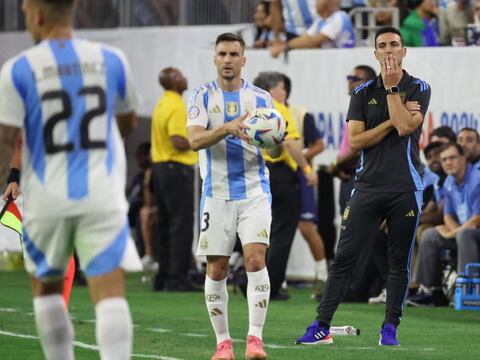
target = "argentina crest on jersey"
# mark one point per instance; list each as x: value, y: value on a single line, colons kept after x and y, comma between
x: 232, y: 108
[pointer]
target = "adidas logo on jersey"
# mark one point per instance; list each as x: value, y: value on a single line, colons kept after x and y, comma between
x: 263, y: 234
x: 215, y: 110
x: 262, y: 304
x: 372, y: 101
x: 411, y: 213
x: 216, y: 312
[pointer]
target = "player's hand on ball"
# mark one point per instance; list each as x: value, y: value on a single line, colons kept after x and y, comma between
x: 236, y: 128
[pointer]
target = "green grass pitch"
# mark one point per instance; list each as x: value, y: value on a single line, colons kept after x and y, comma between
x: 176, y: 326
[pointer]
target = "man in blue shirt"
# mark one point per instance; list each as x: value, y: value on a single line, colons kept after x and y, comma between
x: 461, y: 218
x: 470, y: 141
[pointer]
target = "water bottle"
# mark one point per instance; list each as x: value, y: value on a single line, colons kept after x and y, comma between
x: 344, y: 330
x: 461, y: 288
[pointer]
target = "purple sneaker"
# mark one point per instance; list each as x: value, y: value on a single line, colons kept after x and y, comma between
x: 315, y: 335
x: 388, y: 336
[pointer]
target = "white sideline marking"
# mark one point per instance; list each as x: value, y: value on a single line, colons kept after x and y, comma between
x: 8, y: 310
x: 159, y: 330
x: 194, y: 335
x: 87, y: 346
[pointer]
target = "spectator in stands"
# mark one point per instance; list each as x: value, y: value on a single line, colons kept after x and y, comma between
x: 173, y: 184
x: 443, y: 134
x: 453, y: 21
x: 470, y: 141
x: 312, y: 146
x: 418, y: 28
x: 292, y: 17
x: 282, y: 164
x: 476, y: 13
x: 383, y: 18
x: 460, y: 228
x: 264, y: 35
x: 333, y: 29
x: 433, y: 180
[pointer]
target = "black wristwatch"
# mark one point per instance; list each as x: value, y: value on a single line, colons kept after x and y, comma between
x: 393, y: 90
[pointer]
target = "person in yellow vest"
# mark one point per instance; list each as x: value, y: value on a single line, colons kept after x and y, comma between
x: 313, y: 145
x: 284, y: 185
x: 173, y: 179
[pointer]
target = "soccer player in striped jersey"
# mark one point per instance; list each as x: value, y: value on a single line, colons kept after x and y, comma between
x: 64, y: 94
x: 236, y: 196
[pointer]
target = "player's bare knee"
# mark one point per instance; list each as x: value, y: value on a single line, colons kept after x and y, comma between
x: 254, y: 262
x: 44, y: 288
x: 217, y: 267
x: 107, y: 286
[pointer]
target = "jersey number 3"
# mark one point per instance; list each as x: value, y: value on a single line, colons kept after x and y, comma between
x: 66, y: 113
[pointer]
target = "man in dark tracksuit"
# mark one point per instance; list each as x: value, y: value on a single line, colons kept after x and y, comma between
x: 388, y: 184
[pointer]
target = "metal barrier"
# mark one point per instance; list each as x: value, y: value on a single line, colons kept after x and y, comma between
x: 366, y: 25
x: 131, y: 13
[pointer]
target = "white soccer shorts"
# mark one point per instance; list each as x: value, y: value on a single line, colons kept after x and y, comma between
x: 102, y: 241
x: 222, y: 220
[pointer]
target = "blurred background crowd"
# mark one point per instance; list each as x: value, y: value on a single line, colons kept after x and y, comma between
x: 423, y: 22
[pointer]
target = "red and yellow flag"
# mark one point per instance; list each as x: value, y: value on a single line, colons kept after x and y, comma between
x: 10, y: 217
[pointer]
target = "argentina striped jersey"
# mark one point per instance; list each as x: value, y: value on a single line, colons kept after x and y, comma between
x: 230, y: 169
x: 65, y: 94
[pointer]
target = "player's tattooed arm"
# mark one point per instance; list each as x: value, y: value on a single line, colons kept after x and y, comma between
x: 8, y: 138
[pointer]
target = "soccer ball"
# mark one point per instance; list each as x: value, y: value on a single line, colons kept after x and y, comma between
x: 266, y: 128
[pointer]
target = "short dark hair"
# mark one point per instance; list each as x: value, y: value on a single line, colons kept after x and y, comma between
x: 369, y: 72
x: 443, y: 131
x: 230, y: 37
x: 471, y: 130
x: 268, y: 80
x: 436, y: 145
x: 455, y: 145
x: 388, y: 29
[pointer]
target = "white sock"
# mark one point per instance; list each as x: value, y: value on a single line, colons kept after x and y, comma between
x: 54, y: 327
x: 258, y: 294
x: 216, y: 298
x: 321, y: 271
x: 114, y: 329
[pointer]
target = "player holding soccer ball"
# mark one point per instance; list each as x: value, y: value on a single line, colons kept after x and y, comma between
x: 236, y: 192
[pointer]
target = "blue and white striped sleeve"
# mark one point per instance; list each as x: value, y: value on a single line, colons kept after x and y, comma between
x: 197, y: 107
x: 128, y: 99
x: 12, y: 107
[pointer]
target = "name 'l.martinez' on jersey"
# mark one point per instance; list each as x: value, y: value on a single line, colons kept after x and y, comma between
x: 230, y: 169
x: 65, y: 94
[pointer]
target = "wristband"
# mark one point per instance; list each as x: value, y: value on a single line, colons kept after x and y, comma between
x: 13, y: 176
x: 307, y: 170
